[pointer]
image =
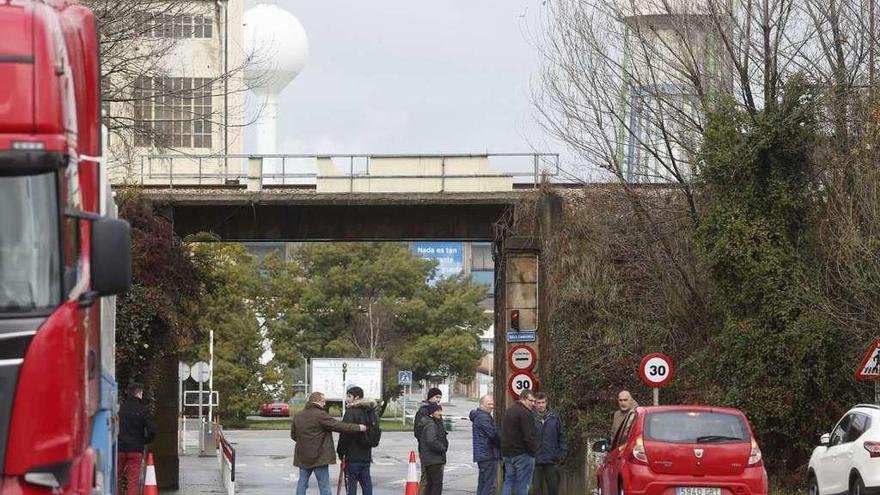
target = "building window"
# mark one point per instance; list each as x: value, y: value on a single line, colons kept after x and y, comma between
x: 177, y: 26
x: 481, y: 256
x: 172, y: 112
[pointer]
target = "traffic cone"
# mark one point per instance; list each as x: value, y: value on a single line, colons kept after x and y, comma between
x: 150, y: 487
x: 412, y: 476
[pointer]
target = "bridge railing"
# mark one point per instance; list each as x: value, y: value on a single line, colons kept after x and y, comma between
x: 349, y: 173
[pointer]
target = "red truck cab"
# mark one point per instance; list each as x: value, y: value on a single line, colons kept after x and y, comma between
x: 58, y: 255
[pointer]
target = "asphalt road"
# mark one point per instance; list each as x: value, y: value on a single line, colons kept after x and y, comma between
x: 265, y: 462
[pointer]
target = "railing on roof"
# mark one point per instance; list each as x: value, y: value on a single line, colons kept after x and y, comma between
x: 349, y: 173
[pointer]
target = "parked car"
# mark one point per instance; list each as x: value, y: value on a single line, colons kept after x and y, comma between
x: 847, y: 460
x: 275, y: 409
x: 682, y: 450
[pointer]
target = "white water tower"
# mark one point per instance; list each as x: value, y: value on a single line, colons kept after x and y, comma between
x: 276, y: 48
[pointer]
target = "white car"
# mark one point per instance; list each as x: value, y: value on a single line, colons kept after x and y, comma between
x: 848, y: 459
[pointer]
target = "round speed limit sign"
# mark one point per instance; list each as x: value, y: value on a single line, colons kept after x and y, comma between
x: 656, y: 369
x: 522, y: 380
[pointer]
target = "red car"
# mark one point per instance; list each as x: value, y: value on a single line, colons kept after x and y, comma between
x: 275, y: 409
x: 682, y: 450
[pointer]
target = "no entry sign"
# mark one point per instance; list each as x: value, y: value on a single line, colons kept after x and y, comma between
x: 521, y: 358
x: 520, y: 381
x: 656, y: 369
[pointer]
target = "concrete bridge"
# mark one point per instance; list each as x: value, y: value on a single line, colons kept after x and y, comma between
x: 340, y: 197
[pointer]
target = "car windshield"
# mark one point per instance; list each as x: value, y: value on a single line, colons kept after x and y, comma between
x: 30, y: 251
x: 695, y: 427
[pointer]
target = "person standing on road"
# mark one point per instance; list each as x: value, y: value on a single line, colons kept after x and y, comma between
x: 356, y: 448
x: 435, y: 396
x: 136, y: 429
x: 433, y: 445
x: 551, y: 448
x: 487, y: 445
x: 312, y: 430
x: 519, y: 445
x: 625, y: 404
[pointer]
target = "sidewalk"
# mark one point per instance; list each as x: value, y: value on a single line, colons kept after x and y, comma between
x: 199, y: 476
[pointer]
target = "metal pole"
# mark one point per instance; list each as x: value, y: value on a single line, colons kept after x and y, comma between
x: 343, y: 389
x: 211, y: 377
x: 656, y: 396
x: 403, y: 414
x: 201, y: 421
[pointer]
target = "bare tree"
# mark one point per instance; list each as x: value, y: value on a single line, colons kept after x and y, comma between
x: 627, y: 83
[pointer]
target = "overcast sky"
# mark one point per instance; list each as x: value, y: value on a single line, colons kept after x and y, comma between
x: 413, y: 76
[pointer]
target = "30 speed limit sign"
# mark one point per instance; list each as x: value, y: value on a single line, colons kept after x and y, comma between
x: 656, y: 369
x: 522, y: 380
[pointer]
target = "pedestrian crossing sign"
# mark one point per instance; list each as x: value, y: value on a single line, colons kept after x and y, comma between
x: 870, y: 367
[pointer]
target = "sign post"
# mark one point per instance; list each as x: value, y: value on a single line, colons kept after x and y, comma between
x: 869, y: 369
x: 201, y: 372
x: 344, y: 389
x: 656, y: 370
x: 404, y: 377
x: 182, y: 375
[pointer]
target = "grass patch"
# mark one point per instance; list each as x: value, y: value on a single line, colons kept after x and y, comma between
x: 284, y: 424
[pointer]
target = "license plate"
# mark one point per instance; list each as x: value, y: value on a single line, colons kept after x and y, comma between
x: 697, y: 490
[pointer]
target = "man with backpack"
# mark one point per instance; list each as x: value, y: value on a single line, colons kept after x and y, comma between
x: 355, y: 449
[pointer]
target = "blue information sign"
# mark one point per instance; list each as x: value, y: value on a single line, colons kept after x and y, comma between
x: 449, y: 256
x: 525, y: 336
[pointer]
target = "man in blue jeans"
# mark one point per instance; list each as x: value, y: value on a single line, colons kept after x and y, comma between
x: 356, y: 448
x: 519, y: 445
x: 312, y: 430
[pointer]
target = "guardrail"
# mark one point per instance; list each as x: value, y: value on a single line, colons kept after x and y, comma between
x: 226, y: 459
x: 347, y: 173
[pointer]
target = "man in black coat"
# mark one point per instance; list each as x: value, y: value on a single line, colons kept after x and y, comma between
x: 136, y: 429
x: 551, y: 448
x: 435, y: 396
x: 519, y: 445
x: 355, y: 447
x: 433, y: 445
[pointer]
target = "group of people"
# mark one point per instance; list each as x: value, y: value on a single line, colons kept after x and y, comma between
x: 530, y: 444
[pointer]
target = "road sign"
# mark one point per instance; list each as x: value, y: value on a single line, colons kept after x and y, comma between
x: 182, y: 371
x: 522, y: 380
x: 404, y: 377
x: 656, y: 369
x: 521, y: 358
x: 524, y: 336
x: 870, y: 367
x: 201, y: 372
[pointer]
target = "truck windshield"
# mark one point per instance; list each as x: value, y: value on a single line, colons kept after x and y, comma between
x: 30, y: 251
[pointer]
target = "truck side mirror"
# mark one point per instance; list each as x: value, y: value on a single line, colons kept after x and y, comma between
x: 111, y: 256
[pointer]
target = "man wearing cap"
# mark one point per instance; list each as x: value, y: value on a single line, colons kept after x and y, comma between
x: 136, y: 429
x: 435, y: 396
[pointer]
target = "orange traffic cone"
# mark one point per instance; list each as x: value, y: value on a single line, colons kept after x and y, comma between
x: 150, y: 487
x: 412, y: 476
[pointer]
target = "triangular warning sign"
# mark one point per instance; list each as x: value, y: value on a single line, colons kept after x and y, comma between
x: 870, y: 367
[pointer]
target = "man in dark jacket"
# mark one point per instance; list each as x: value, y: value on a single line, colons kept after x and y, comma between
x: 354, y: 447
x: 551, y: 448
x: 312, y: 430
x: 136, y: 429
x: 486, y: 445
x: 435, y: 396
x: 433, y: 445
x: 519, y: 445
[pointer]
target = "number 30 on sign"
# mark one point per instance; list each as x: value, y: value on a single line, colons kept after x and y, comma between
x: 522, y: 380
x: 656, y: 369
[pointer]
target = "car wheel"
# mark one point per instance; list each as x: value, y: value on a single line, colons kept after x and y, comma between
x: 857, y: 486
x: 813, y: 485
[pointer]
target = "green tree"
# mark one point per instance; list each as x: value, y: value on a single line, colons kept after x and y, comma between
x: 777, y: 357
x: 372, y: 300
